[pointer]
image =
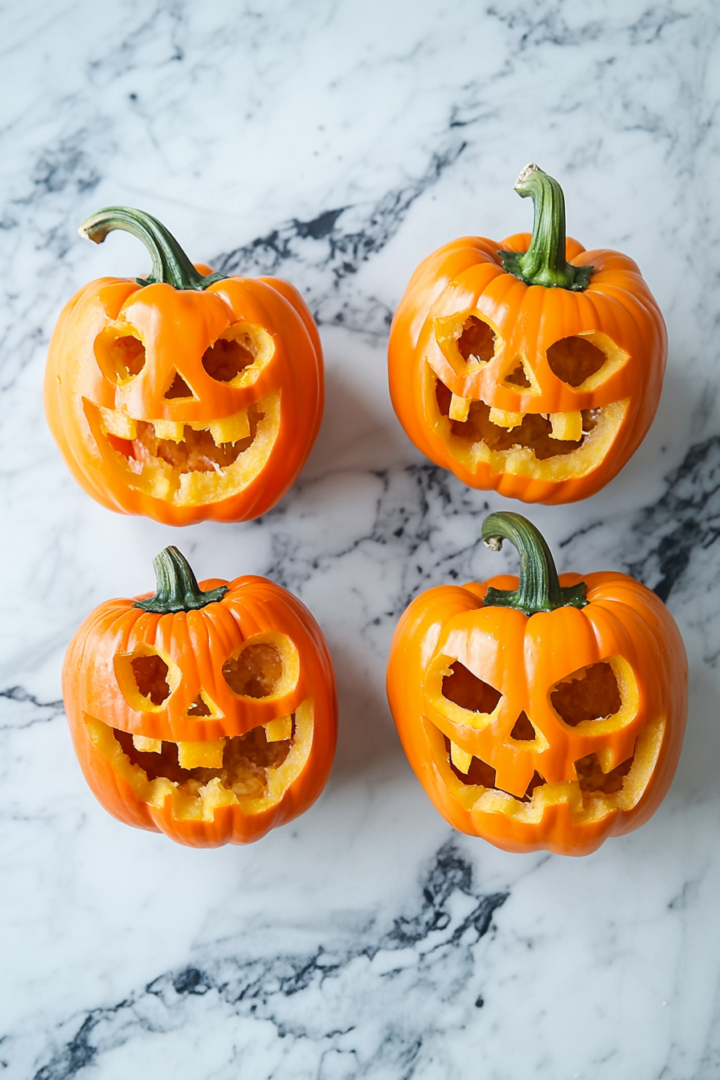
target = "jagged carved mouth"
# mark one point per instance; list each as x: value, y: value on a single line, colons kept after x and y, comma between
x: 601, y: 698
x: 188, y: 462
x: 543, y: 445
x: 593, y: 795
x: 252, y: 771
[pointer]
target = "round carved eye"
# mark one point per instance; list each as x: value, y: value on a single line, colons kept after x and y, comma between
x: 585, y: 362
x: 266, y: 666
x: 466, y: 690
x: 121, y: 357
x: 238, y: 357
x: 146, y: 678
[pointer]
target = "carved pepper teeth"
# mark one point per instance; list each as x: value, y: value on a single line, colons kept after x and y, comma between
x: 147, y: 746
x: 505, y: 419
x: 208, y: 754
x: 230, y: 429
x: 566, y: 426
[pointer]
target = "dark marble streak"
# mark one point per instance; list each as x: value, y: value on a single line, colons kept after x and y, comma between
x: 18, y: 694
x: 661, y: 538
x: 451, y: 918
x: 336, y: 243
x: 686, y: 517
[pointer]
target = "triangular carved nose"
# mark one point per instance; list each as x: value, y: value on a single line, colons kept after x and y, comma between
x: 203, y: 706
x: 179, y: 388
x: 523, y: 729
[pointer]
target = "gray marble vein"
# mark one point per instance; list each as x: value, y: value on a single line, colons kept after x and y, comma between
x: 337, y: 143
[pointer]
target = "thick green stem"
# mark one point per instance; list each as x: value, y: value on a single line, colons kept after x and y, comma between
x: 539, y: 588
x: 544, y: 262
x: 170, y: 264
x: 177, y: 587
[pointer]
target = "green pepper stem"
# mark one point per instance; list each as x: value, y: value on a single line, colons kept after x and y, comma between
x: 170, y: 264
x: 177, y: 587
x: 544, y: 262
x: 539, y: 588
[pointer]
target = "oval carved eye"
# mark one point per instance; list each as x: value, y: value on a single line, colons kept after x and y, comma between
x: 466, y: 690
x: 146, y: 678
x: 238, y: 357
x: 121, y: 358
x: 256, y: 672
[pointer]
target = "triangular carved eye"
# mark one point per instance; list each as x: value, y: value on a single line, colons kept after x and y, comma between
x: 523, y: 730
x: 178, y: 388
x: 469, y: 692
x: 477, y: 340
x: 590, y: 694
x: 150, y: 674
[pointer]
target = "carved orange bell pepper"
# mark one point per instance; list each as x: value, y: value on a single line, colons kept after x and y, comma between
x: 206, y: 712
x: 187, y: 395
x: 531, y: 365
x: 540, y: 712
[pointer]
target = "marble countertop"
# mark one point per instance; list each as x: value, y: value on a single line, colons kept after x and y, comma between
x: 336, y: 144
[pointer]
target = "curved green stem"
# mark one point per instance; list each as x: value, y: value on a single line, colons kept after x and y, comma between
x: 177, y: 587
x: 544, y: 262
x: 539, y: 588
x: 170, y: 264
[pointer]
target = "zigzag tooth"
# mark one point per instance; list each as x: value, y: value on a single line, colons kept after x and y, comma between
x: 459, y: 408
x: 460, y: 758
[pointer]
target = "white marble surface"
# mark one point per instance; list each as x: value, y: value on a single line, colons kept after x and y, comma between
x: 337, y: 143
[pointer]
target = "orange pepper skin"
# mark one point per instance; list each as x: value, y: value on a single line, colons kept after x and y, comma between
x: 524, y: 658
x: 196, y: 645
x: 467, y: 278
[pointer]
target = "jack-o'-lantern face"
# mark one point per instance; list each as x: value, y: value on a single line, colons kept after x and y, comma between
x: 550, y: 730
x: 536, y: 380
x: 544, y: 414
x: 212, y: 727
x: 586, y: 748
x: 185, y: 426
x: 187, y: 398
